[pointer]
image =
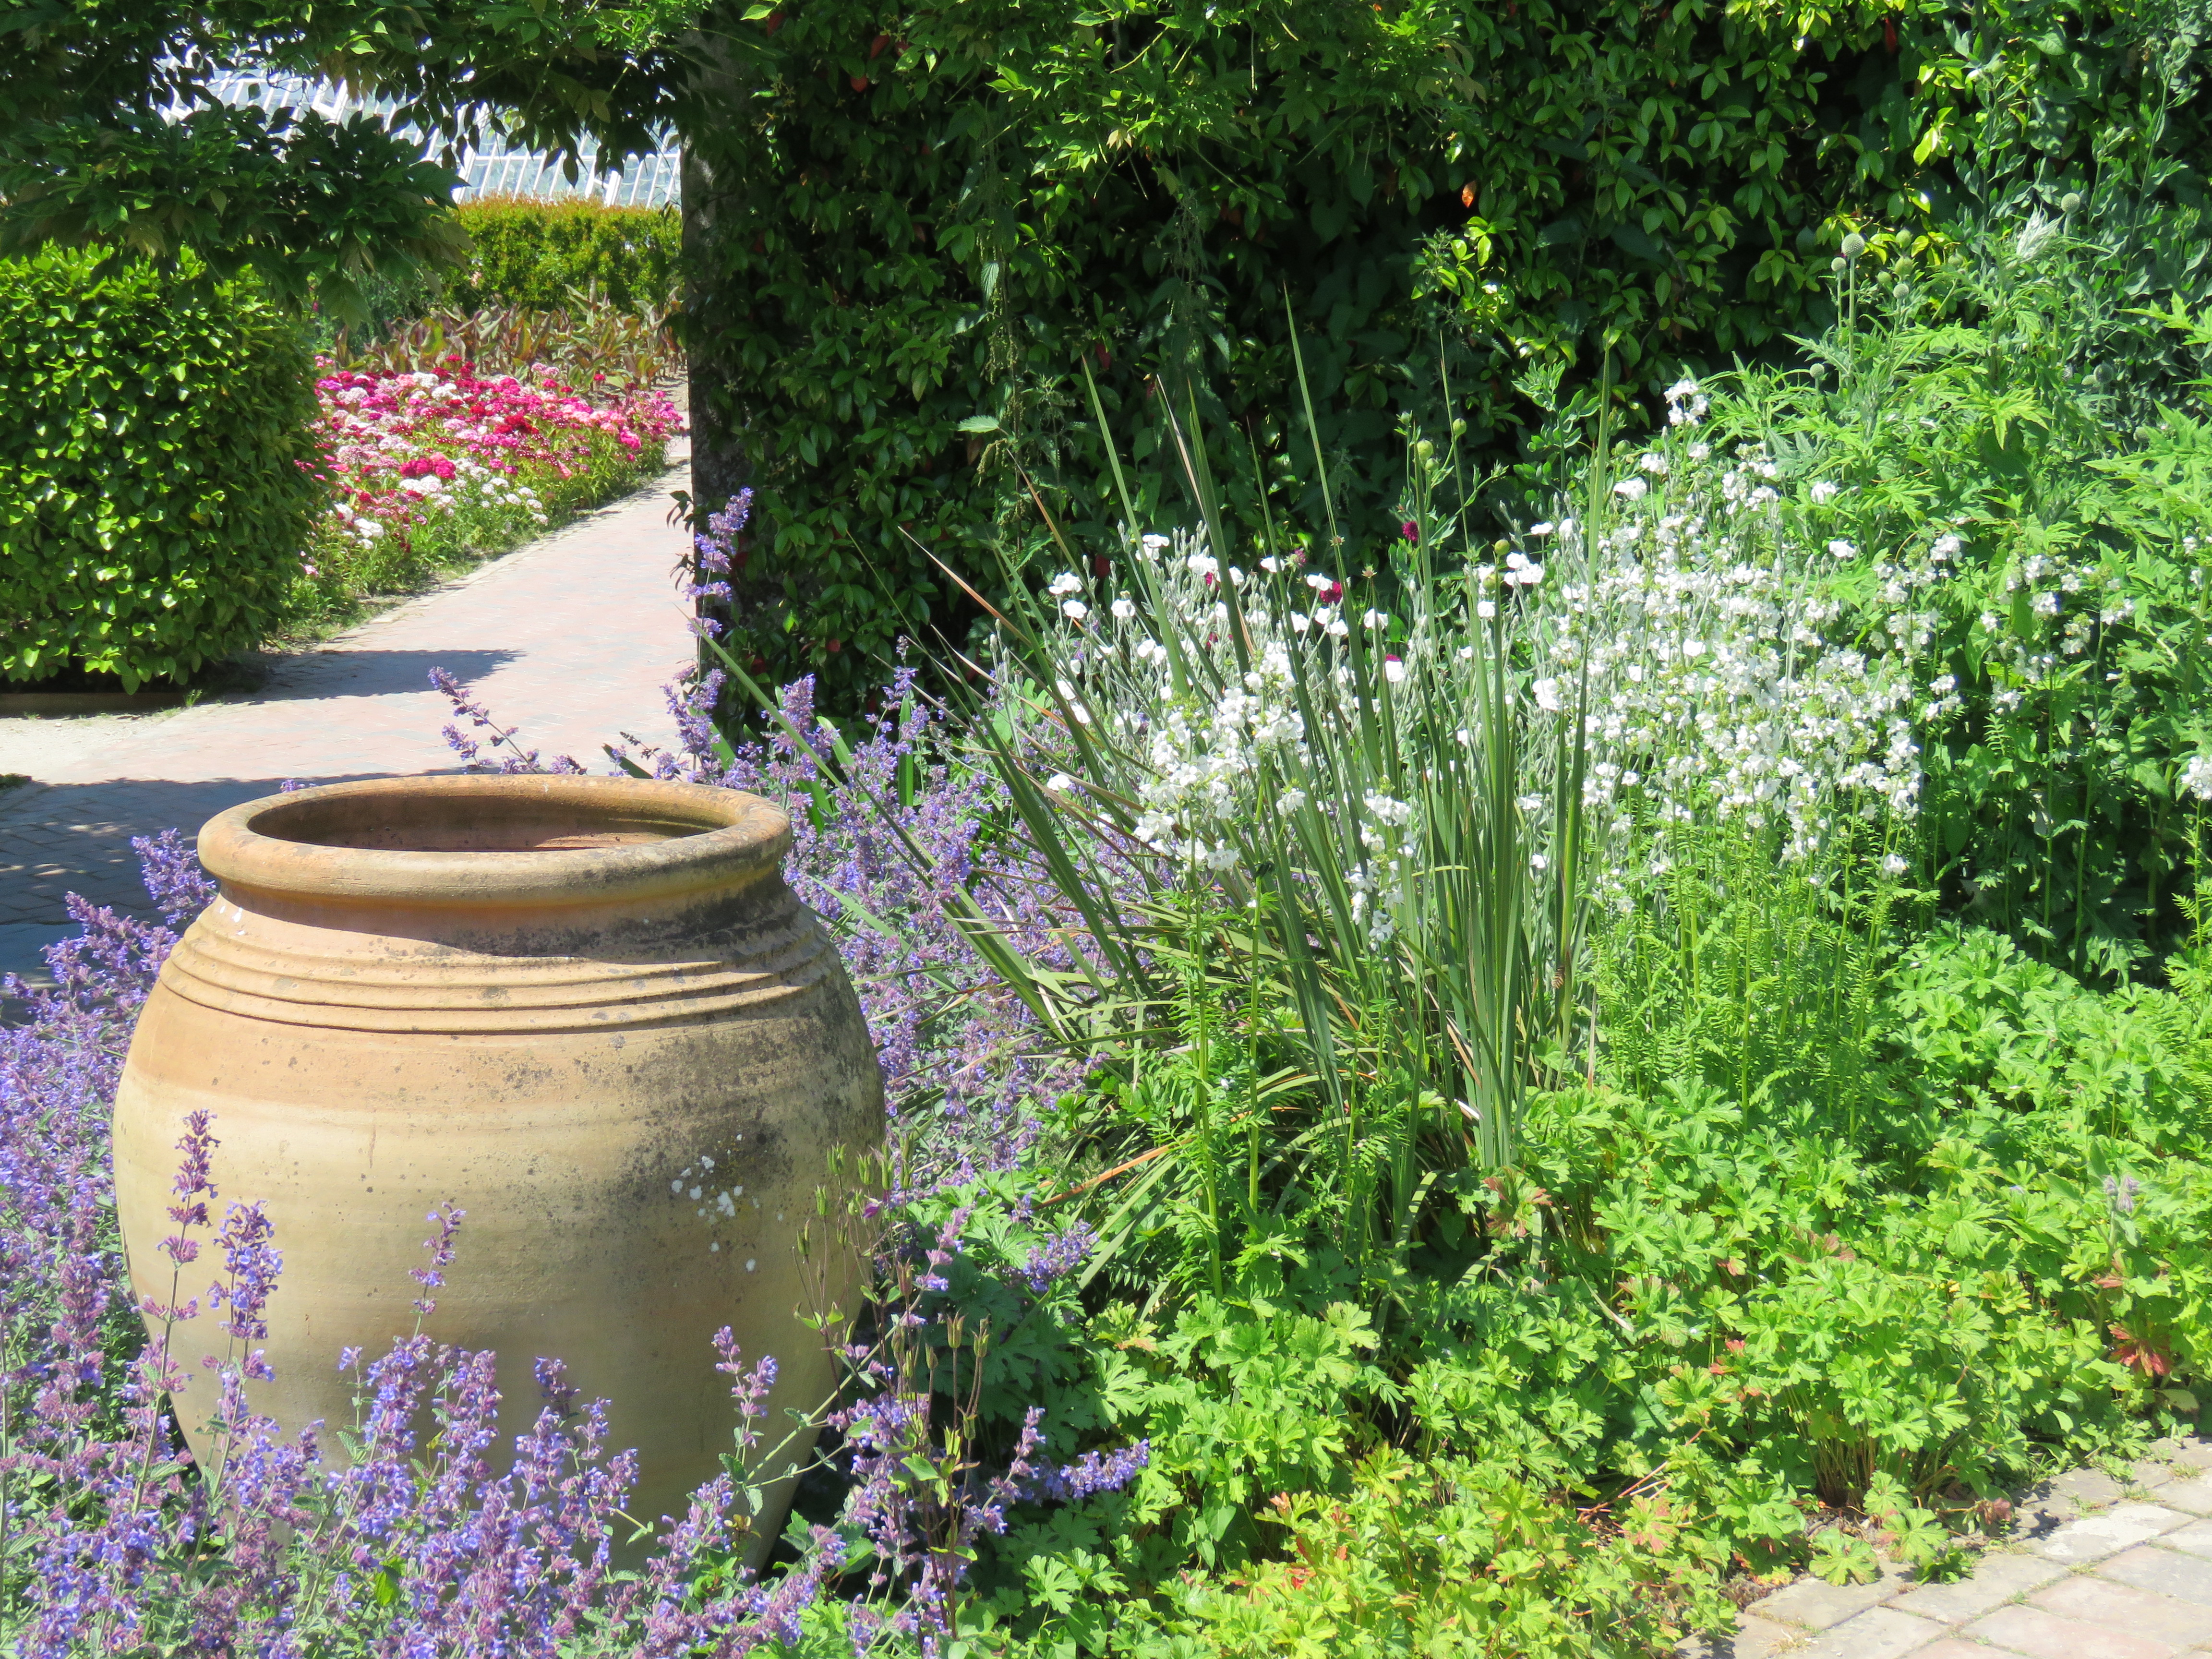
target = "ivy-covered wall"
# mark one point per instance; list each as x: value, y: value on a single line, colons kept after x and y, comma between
x: 914, y: 230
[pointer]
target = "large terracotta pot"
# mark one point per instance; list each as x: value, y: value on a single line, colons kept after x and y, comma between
x: 587, y: 1010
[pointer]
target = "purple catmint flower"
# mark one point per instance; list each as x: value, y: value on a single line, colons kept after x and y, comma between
x: 253, y: 1266
x: 1093, y: 1473
x: 447, y: 1220
x: 519, y: 759
x: 180, y: 890
x: 1060, y: 1253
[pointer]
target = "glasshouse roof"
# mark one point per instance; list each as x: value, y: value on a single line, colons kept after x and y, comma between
x: 497, y: 168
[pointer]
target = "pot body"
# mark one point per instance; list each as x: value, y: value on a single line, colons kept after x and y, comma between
x: 588, y: 1012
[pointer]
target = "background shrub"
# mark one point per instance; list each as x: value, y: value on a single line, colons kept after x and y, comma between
x: 156, y: 457
x: 531, y: 253
x: 920, y: 228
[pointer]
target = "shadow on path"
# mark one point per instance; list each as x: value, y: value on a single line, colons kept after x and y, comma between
x: 355, y: 671
x: 62, y: 838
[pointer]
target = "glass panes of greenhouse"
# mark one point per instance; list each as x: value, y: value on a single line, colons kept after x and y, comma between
x: 497, y: 168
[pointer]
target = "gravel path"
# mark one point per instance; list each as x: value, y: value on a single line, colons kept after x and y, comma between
x: 571, y: 637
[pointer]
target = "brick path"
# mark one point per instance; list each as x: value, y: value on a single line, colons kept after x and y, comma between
x: 571, y: 638
x: 2094, y: 1568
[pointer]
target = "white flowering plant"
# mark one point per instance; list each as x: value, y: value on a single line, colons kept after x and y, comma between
x: 1955, y: 446
x: 1417, y: 787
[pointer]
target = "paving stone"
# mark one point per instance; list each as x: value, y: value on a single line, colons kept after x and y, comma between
x: 1953, y: 1646
x: 2195, y: 1539
x: 1754, y: 1638
x: 2092, y: 1489
x: 2108, y: 1532
x: 2094, y: 1600
x: 1879, y: 1633
x: 1815, y: 1604
x: 2193, y: 1494
x: 2163, y: 1573
x: 2190, y: 1450
x: 1996, y: 1579
x: 2039, y: 1510
x: 2041, y: 1635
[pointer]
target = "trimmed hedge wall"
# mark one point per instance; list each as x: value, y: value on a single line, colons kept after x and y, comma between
x: 531, y: 253
x: 916, y: 227
x: 157, y: 468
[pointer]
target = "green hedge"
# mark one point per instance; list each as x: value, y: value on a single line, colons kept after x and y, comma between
x: 930, y: 221
x: 157, y: 468
x: 532, y: 253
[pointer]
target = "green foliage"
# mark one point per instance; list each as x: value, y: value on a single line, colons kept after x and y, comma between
x: 591, y: 341
x: 1651, y: 1356
x: 109, y: 136
x: 154, y: 483
x: 540, y: 255
x: 934, y: 221
x: 1976, y: 414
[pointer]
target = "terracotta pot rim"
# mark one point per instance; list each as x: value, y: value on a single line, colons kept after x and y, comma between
x: 686, y: 837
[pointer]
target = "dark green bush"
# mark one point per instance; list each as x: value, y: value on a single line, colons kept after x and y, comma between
x: 926, y: 224
x: 532, y: 253
x: 156, y: 468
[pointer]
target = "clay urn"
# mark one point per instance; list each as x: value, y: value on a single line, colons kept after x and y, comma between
x: 587, y: 1010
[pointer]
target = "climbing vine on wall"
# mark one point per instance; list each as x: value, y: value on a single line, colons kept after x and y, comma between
x: 917, y: 230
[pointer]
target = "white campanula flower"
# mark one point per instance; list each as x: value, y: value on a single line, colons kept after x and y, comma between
x: 1394, y: 670
x: 1842, y: 550
x: 1653, y: 462
x: 1823, y: 490
x: 1894, y: 865
x: 1632, y: 490
x: 2196, y: 777
x: 1060, y: 784
x: 1486, y: 609
x: 1153, y: 543
x: 1074, y: 610
x: 1271, y: 564
x: 1063, y: 585
x: 1540, y: 530
x: 1385, y: 809
x: 1292, y: 800
x: 1530, y: 803
x: 1947, y: 547
x: 1376, y: 619
x: 1124, y: 609
x: 1546, y: 693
